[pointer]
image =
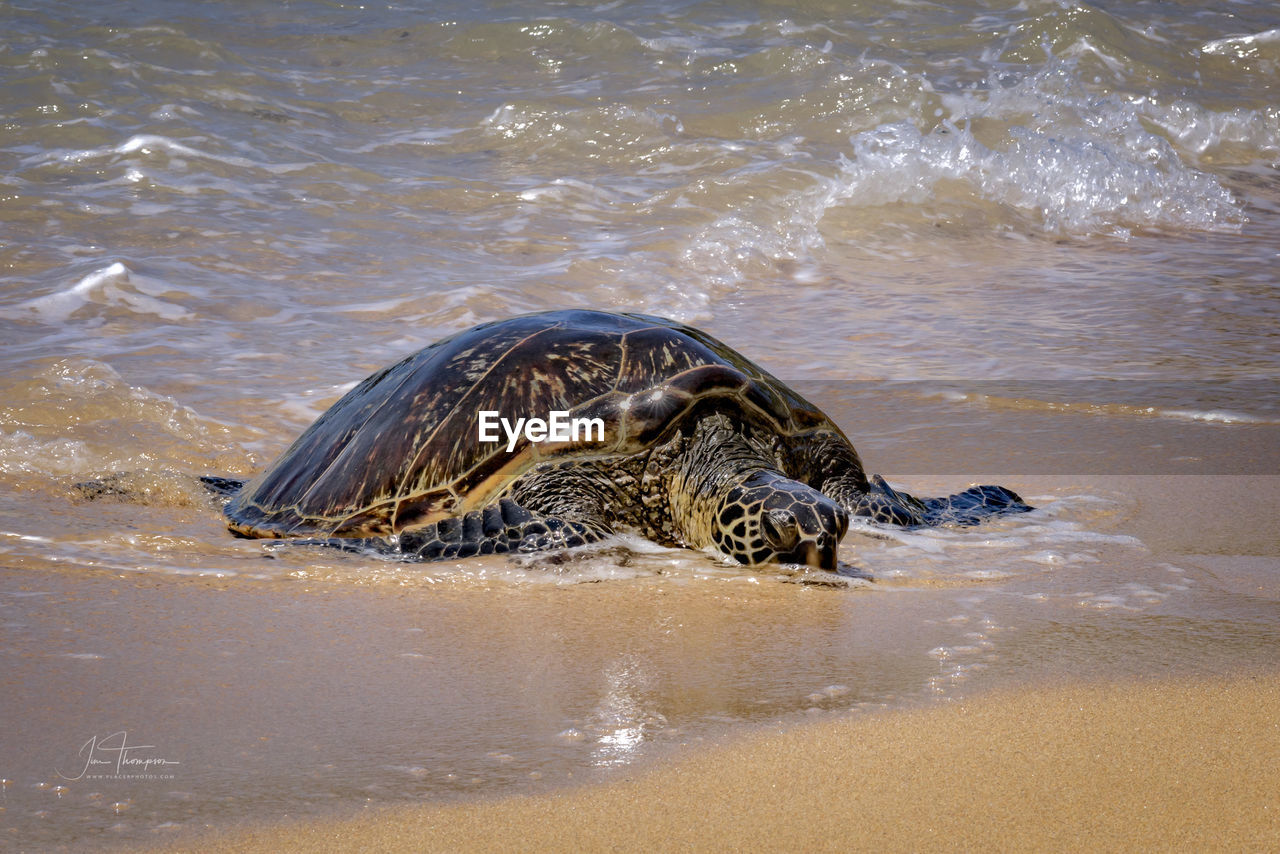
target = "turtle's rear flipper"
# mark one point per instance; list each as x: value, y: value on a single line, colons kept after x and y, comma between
x: 118, y: 485
x: 221, y: 487
x: 155, y: 487
x: 974, y: 505
x: 497, y: 529
x: 883, y: 503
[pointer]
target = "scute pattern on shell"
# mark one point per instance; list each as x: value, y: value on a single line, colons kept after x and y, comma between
x: 401, y: 449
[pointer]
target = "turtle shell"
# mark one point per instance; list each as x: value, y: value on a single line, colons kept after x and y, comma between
x: 402, y: 449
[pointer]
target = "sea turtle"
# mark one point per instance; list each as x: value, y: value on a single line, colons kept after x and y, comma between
x: 699, y: 447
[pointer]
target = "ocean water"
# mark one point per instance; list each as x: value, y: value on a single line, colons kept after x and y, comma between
x: 1029, y: 241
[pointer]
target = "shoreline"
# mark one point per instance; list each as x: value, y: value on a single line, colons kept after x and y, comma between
x: 1052, y: 768
x: 1090, y: 699
x: 1179, y: 757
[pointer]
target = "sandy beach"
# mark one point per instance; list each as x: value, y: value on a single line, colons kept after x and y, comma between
x: 1070, y: 762
x: 1188, y: 765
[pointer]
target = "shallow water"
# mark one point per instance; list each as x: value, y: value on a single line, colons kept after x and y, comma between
x: 993, y: 240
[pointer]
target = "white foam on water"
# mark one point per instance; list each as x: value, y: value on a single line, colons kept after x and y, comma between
x: 412, y: 138
x: 1242, y: 47
x: 639, y: 136
x: 1133, y: 596
x: 25, y: 538
x: 1109, y: 410
x: 1214, y: 416
x: 1072, y: 181
x: 23, y: 453
x: 114, y: 285
x: 965, y: 556
x: 620, y: 558
x: 79, y: 416
x: 1202, y: 131
x: 1058, y: 535
x: 1060, y: 158
x: 61, y: 304
x: 308, y: 405
x: 148, y: 144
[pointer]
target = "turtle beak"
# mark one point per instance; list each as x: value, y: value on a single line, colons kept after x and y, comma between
x: 819, y: 554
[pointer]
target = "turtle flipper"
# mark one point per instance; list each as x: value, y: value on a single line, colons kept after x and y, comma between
x: 222, y: 488
x: 882, y: 503
x: 497, y: 529
x: 972, y: 506
x: 137, y: 486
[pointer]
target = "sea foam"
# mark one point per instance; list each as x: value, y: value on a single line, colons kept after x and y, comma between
x: 1072, y: 160
x: 1040, y: 153
x: 114, y: 286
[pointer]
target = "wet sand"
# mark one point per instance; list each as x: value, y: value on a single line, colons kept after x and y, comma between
x: 1189, y: 765
x: 1065, y: 762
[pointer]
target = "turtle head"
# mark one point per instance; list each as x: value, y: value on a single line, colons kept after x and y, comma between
x: 767, y: 517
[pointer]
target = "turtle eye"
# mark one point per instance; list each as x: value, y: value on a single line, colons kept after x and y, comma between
x: 780, y: 530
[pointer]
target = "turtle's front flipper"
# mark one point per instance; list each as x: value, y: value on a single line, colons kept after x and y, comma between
x: 497, y: 529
